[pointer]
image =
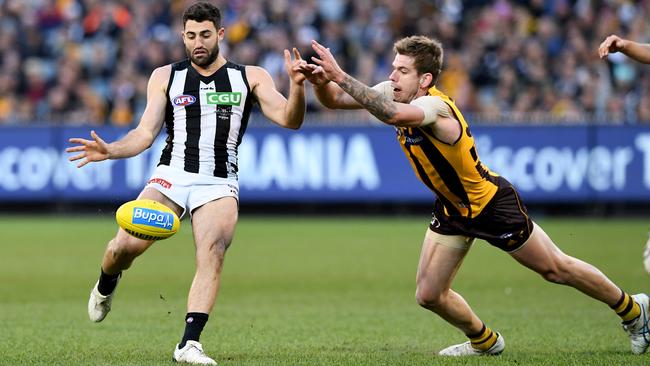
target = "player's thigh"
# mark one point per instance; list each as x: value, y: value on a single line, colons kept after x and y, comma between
x: 440, y: 259
x: 215, y: 222
x: 539, y: 253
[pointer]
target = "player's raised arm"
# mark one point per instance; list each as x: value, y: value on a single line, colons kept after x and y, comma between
x: 637, y: 51
x: 286, y: 112
x: 138, y: 139
x: 376, y: 102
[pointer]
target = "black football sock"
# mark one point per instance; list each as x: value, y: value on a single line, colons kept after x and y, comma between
x: 194, y: 323
x: 107, y: 282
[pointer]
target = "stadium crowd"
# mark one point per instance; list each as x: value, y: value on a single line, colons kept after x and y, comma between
x: 88, y: 61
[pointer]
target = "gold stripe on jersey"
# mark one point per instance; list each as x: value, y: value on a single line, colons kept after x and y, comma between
x: 452, y: 171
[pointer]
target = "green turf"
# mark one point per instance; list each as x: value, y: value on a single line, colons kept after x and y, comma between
x: 304, y: 291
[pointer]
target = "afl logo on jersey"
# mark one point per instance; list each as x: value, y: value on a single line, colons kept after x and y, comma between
x: 183, y: 100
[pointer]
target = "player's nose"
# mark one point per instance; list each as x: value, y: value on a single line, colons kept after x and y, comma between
x: 392, y: 76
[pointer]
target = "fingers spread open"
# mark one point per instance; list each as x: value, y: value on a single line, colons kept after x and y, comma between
x: 80, y: 141
x: 96, y: 137
x: 76, y: 157
x: 75, y: 149
x: 318, y: 48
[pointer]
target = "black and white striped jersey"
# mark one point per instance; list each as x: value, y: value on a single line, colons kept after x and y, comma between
x: 206, y: 118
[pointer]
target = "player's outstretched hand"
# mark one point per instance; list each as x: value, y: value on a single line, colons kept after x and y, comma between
x: 293, y: 66
x: 313, y: 73
x: 331, y: 69
x: 611, y: 44
x: 91, y: 150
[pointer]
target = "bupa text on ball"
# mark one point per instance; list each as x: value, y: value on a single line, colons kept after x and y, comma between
x: 144, y: 216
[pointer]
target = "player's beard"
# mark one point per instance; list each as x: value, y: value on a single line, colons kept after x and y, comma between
x: 206, y: 60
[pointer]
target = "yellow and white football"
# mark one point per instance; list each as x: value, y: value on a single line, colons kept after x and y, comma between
x: 147, y: 219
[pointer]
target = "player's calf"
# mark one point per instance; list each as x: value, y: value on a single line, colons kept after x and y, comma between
x: 646, y: 256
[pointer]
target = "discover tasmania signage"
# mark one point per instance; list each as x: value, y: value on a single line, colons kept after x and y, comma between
x: 357, y: 164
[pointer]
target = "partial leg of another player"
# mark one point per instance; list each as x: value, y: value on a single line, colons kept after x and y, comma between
x: 646, y: 256
x: 119, y: 255
x: 542, y: 256
x: 213, y: 226
x: 440, y: 260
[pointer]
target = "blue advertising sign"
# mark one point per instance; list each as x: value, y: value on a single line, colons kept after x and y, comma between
x: 327, y: 164
x: 570, y: 164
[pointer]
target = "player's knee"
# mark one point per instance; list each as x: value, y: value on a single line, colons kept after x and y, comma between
x: 218, y: 248
x: 559, y: 273
x: 551, y: 275
x: 429, y: 298
x: 125, y: 249
x: 213, y: 254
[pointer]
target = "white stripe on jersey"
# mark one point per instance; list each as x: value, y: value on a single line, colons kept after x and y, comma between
x: 180, y: 125
x: 207, y: 121
x: 237, y: 84
x: 208, y: 129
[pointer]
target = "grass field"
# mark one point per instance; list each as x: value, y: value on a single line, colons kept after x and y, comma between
x: 304, y: 291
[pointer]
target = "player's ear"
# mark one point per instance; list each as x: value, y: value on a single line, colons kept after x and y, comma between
x: 425, y: 80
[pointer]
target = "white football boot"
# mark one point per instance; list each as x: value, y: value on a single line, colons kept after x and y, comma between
x: 98, y: 304
x: 646, y: 256
x: 192, y: 353
x: 466, y: 349
x: 638, y: 329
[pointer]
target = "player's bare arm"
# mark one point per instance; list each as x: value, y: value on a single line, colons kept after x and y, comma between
x: 286, y: 112
x: 138, y: 139
x: 375, y: 102
x: 382, y: 107
x: 637, y: 51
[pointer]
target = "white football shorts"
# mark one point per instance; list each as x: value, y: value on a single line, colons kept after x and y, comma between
x: 191, y: 190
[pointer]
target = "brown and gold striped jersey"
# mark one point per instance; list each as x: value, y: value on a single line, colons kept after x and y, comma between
x: 452, y: 171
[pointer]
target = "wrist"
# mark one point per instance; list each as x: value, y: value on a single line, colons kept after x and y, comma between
x: 110, y: 154
x: 339, y: 78
x: 321, y: 83
x: 623, y: 45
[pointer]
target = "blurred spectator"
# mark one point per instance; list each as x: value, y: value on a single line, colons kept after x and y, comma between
x: 506, y: 61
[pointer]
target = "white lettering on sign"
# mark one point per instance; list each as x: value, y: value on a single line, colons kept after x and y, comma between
x: 314, y: 161
x: 336, y: 162
x: 642, y: 143
x: 549, y: 168
x: 36, y: 168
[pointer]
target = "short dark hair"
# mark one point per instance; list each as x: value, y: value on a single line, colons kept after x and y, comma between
x: 426, y: 52
x: 202, y: 11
